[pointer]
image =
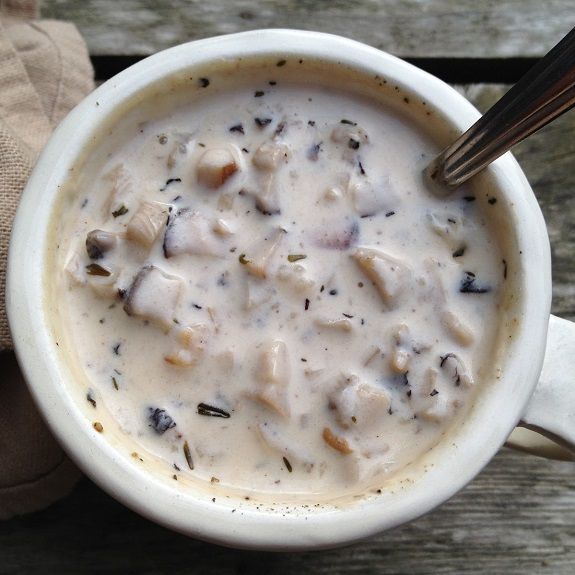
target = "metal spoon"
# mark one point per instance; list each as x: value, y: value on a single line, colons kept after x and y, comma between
x: 543, y: 94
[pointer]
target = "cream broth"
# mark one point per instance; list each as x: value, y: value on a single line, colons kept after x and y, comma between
x: 262, y: 293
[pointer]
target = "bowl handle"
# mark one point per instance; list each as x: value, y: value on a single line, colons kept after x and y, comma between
x: 547, y: 427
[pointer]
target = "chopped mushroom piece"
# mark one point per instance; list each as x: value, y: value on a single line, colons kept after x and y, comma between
x: 104, y: 286
x: 295, y: 276
x: 448, y: 226
x: 154, y: 296
x: 75, y: 269
x: 457, y: 329
x: 121, y: 193
x: 350, y: 135
x: 222, y: 228
x: 215, y: 166
x: 272, y: 375
x: 460, y: 373
x: 440, y: 409
x: 389, y: 275
x: 258, y: 261
x: 358, y: 405
x: 147, y: 222
x: 189, y: 232
x: 267, y: 196
x: 369, y: 200
x: 192, y: 341
x: 402, y: 351
x: 273, y: 437
x: 269, y: 155
x: 343, y: 325
x: 98, y: 242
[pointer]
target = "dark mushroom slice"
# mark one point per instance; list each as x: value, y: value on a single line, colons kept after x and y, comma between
x: 153, y: 296
x: 99, y: 242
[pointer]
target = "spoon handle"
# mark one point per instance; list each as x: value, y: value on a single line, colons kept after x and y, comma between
x: 543, y: 94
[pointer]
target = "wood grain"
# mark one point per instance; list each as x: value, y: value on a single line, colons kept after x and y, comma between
x: 517, y: 518
x: 430, y: 28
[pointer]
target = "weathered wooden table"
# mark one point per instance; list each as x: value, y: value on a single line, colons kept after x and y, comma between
x: 518, y: 516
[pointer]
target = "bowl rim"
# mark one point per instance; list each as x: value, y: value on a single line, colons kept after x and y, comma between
x: 38, y: 354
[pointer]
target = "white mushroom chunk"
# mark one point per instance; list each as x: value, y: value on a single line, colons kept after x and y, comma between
x: 189, y: 232
x: 258, y: 260
x: 270, y: 155
x: 121, y: 193
x: 359, y: 406
x: 191, y: 343
x: 215, y: 166
x: 180, y: 148
x: 295, y: 275
x: 402, y: 350
x: 99, y: 242
x: 448, y: 226
x: 276, y: 440
x: 342, y: 325
x: 458, y: 371
x: 457, y: 330
x: 267, y: 195
x: 75, y: 269
x: 332, y: 194
x: 147, y: 223
x: 222, y: 228
x: 389, y: 275
x: 102, y: 281
x: 369, y: 199
x: 153, y: 296
x: 349, y: 134
x: 440, y: 409
x: 273, y: 375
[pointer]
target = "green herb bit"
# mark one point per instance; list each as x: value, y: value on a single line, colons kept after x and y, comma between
x: 287, y: 464
x: 115, y: 383
x: 243, y: 259
x: 296, y: 257
x: 97, y: 270
x: 188, y: 455
x: 120, y: 211
x: 205, y: 409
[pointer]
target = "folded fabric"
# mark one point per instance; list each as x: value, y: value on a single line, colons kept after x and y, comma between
x: 44, y: 71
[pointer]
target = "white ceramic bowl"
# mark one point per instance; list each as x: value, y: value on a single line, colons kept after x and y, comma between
x: 455, y: 463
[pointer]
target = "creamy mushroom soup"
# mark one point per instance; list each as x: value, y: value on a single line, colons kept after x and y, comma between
x: 260, y: 292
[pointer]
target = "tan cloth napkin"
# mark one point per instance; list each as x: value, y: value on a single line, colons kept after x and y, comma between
x: 44, y: 71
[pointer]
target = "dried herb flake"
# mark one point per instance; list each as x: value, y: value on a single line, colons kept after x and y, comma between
x: 296, y: 257
x: 210, y: 410
x: 122, y: 210
x: 238, y: 128
x: 287, y: 464
x: 97, y: 270
x: 188, y: 456
x: 262, y: 122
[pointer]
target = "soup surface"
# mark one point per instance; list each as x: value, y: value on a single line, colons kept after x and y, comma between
x: 261, y: 292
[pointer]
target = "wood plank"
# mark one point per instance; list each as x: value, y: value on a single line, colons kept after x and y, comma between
x: 517, y: 517
x: 430, y: 28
